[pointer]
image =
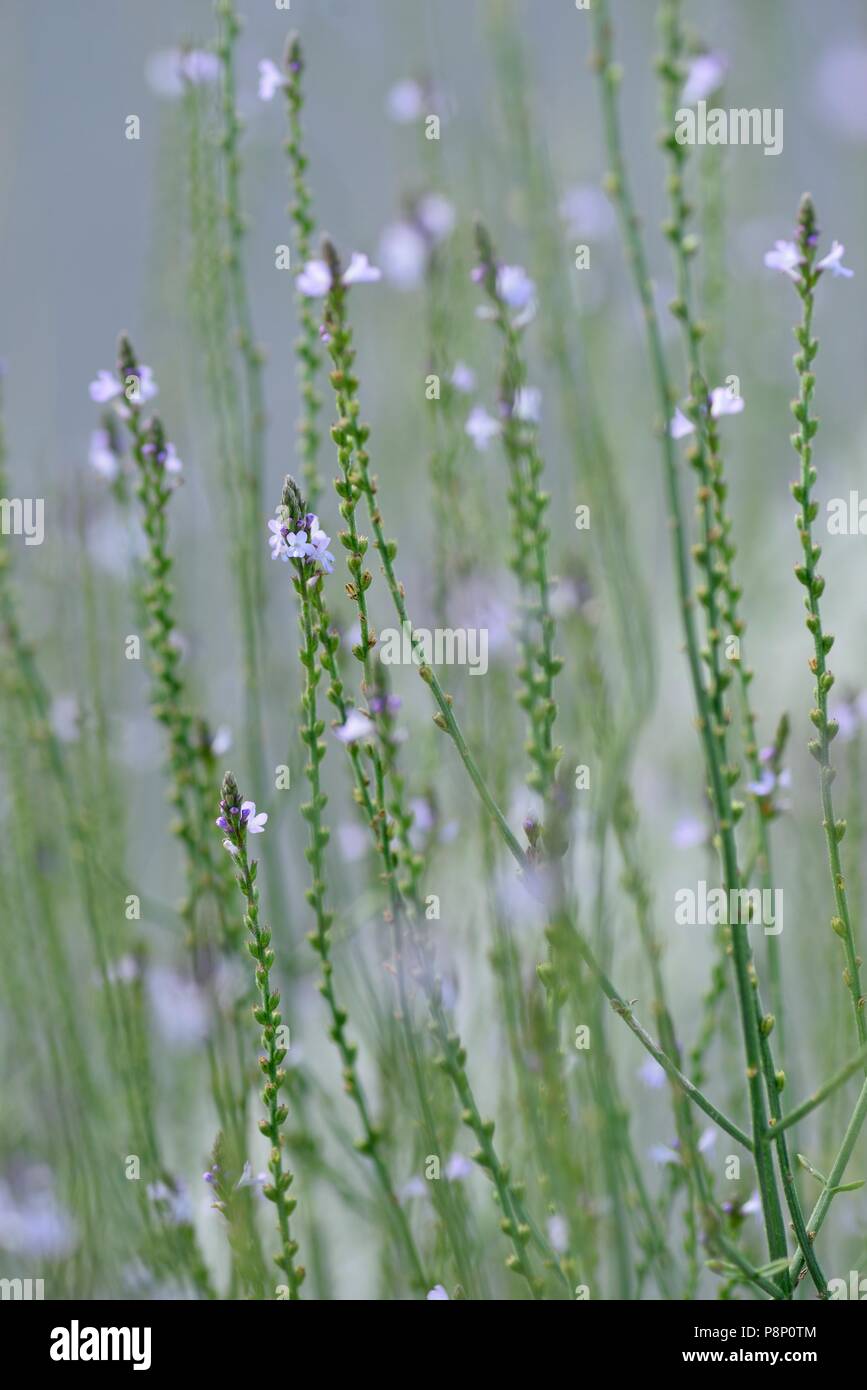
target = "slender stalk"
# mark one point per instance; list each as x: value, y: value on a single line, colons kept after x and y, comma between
x: 814, y: 585
x: 307, y: 348
x: 234, y: 820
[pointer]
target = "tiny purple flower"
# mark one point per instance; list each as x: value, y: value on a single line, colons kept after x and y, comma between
x: 314, y: 280
x: 833, y: 262
x: 481, y: 427
x: 271, y: 79
x: 360, y: 271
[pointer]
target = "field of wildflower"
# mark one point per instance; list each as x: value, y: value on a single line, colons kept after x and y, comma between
x: 431, y: 759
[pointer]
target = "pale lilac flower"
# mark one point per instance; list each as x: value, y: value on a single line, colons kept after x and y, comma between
x: 706, y: 73
x: 317, y: 548
x: 415, y: 1187
x: 314, y: 280
x: 353, y: 840
x: 403, y: 252
x: 167, y: 71
x: 255, y: 824
x: 199, y: 67
x: 722, y: 402
x: 221, y: 741
x: 851, y: 715
x: 515, y: 287
x: 247, y: 1180
x: 558, y: 1234
x: 271, y: 79
x: 123, y: 971
x: 707, y: 1140
x: 297, y: 545
x: 33, y: 1224
x: 105, y: 388
x: 652, y: 1074
x: 145, y: 385
x: 405, y: 101
x: 66, y: 718
x: 679, y: 426
x: 102, y: 458
x: 833, y: 262
x: 662, y: 1154
x: 277, y: 539
x: 360, y: 271
x: 181, y: 1010
x: 458, y: 1167
x: 357, y: 726
x: 587, y: 212
x: 840, y: 88
x: 422, y: 814
x: 785, y: 257
x: 481, y: 427
x: 438, y: 1295
x: 463, y: 378
x: 753, y: 1207
x: 173, y: 1203
x: 528, y: 403
x: 170, y: 461
x: 689, y: 833
x: 769, y: 782
x: 436, y: 216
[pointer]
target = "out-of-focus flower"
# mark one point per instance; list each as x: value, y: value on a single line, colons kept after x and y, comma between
x: 107, y: 386
x: 833, y: 262
x: 436, y: 216
x: 199, y: 66
x: 652, y: 1074
x: 171, y: 1202
x: 248, y: 1180
x: 405, y: 101
x: 353, y: 841
x: 481, y: 427
x: 558, y: 1233
x: 680, y: 426
x: 271, y: 79
x: 33, y: 1223
x: 706, y: 74
x: 360, y: 271
x: 357, y: 726
x: 66, y: 718
x: 689, y: 832
x: 515, y: 287
x: 166, y: 72
x: 221, y: 741
x: 415, y: 1187
x: 840, y: 89
x: 766, y: 788
x: 438, y: 1294
x: 123, y: 971
x: 314, y: 280
x: 403, y: 253
x: 784, y: 257
x: 101, y: 456
x: 463, y: 378
x: 458, y: 1168
x: 528, y: 403
x: 180, y: 1009
x: 587, y: 212
x: 722, y: 402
